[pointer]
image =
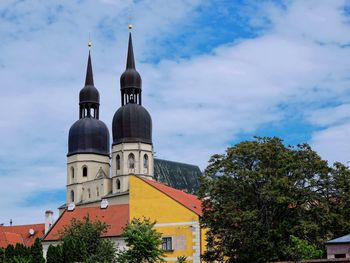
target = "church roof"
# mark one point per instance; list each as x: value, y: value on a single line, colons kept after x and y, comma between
x: 11, y: 235
x: 190, y: 201
x: 181, y: 176
x: 116, y: 216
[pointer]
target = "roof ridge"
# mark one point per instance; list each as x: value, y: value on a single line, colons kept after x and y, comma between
x: 25, y: 225
x: 191, y: 208
x: 189, y: 164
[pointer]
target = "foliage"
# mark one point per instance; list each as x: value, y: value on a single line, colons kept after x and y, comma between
x: 261, y: 192
x: 181, y: 259
x: 18, y: 259
x: 144, y: 242
x: 37, y: 252
x: 82, y: 242
x: 9, y: 252
x: 17, y: 254
x: 2, y: 255
x: 54, y: 254
x: 303, y: 250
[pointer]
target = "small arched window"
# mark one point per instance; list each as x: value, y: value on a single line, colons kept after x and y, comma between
x: 145, y: 161
x: 118, y: 184
x: 85, y: 171
x: 131, y: 161
x: 72, y: 196
x: 89, y: 192
x: 97, y: 191
x: 118, y: 161
x: 72, y: 172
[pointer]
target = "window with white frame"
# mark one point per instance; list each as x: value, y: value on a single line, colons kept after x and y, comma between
x: 167, y: 243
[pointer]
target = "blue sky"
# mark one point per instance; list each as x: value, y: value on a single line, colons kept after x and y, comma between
x: 214, y: 73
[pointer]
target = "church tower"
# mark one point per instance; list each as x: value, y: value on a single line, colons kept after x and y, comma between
x: 88, y: 148
x: 132, y: 149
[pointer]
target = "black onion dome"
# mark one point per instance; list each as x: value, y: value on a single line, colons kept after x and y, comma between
x: 130, y: 79
x: 132, y: 123
x: 89, y: 94
x: 88, y: 135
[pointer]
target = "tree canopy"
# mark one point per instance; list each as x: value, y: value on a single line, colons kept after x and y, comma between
x: 143, y: 241
x: 82, y: 242
x: 261, y: 193
x: 23, y: 254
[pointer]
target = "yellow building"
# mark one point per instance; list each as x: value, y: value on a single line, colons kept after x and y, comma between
x: 176, y: 213
x: 119, y: 185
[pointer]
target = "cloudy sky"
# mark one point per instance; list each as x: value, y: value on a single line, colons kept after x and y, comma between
x: 214, y: 73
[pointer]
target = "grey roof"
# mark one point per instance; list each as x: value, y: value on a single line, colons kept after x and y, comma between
x: 181, y: 176
x: 340, y: 240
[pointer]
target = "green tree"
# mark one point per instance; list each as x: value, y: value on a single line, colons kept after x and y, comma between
x: 54, y: 254
x: 261, y: 192
x: 303, y: 250
x: 2, y: 255
x: 22, y: 252
x: 82, y: 242
x: 9, y: 253
x: 37, y: 252
x: 144, y: 242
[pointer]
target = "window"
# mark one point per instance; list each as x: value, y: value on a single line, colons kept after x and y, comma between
x: 118, y: 184
x: 97, y: 192
x: 118, y: 162
x: 89, y: 192
x: 72, y: 172
x: 131, y: 161
x: 167, y: 244
x: 85, y: 171
x: 145, y: 161
x: 339, y: 256
x: 72, y: 196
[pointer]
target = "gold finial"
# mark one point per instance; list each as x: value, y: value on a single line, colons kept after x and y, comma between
x: 130, y: 25
x: 89, y: 43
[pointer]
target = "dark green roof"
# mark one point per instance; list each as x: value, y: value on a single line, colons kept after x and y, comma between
x: 181, y: 176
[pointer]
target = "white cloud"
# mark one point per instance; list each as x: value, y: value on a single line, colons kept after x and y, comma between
x: 333, y: 143
x: 199, y: 105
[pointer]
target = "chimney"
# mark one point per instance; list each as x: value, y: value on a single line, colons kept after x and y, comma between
x: 10, y: 222
x: 48, y: 220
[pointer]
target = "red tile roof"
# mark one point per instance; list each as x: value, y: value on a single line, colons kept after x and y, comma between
x: 20, y: 234
x: 116, y: 216
x: 190, y: 201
